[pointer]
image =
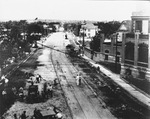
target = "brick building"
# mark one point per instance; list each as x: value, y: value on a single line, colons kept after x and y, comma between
x: 135, y: 48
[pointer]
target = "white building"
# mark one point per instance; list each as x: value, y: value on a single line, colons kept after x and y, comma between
x: 89, y: 30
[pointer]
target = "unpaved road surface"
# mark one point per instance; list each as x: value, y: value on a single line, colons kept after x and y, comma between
x: 77, y: 102
x: 81, y: 100
x: 40, y: 63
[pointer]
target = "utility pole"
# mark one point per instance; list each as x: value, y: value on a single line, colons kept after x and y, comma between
x: 117, y: 35
x: 83, y: 41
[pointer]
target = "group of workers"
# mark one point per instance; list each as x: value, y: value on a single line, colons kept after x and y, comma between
x: 38, y: 78
x: 38, y: 115
x: 48, y: 89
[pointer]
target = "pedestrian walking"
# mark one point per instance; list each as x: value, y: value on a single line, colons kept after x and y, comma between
x: 78, y: 79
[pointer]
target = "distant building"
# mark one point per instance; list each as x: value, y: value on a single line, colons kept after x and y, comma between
x: 133, y: 47
x: 107, y: 50
x: 136, y: 47
x: 89, y: 30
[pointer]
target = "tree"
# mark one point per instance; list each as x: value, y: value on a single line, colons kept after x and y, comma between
x: 13, y: 42
x: 95, y: 43
x: 108, y: 28
x: 75, y: 27
x: 34, y: 30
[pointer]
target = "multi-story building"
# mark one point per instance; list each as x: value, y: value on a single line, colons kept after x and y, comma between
x: 89, y: 30
x: 135, y: 60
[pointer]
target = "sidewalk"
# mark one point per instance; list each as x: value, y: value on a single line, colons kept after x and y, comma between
x: 139, y: 96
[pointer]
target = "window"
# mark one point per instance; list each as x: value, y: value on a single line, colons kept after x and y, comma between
x: 138, y: 26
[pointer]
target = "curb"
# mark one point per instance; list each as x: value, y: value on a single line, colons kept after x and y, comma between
x: 126, y: 92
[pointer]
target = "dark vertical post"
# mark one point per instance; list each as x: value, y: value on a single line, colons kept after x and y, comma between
x: 116, y: 53
x: 83, y: 41
x: 149, y: 51
x: 136, y: 48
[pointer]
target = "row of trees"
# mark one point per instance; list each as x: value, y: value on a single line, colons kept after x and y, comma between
x: 73, y: 27
x: 106, y: 28
x: 17, y: 37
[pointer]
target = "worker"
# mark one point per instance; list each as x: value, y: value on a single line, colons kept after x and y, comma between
x: 15, y: 116
x: 50, y: 90
x: 98, y: 69
x: 5, y: 81
x: 21, y: 93
x: 14, y: 90
x: 58, y: 114
x: 66, y: 36
x: 23, y: 115
x: 55, y: 82
x: 40, y: 78
x: 4, y: 94
x: 37, y: 79
x: 37, y: 114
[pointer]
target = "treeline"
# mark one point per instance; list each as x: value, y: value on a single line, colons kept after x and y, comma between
x: 73, y: 27
x: 106, y: 28
x: 17, y: 37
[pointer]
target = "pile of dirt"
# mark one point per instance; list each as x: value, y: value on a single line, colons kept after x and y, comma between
x: 19, y: 79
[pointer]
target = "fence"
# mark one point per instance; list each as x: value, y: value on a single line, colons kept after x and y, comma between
x: 98, y: 56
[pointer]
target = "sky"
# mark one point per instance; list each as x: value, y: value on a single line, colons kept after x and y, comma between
x: 70, y: 9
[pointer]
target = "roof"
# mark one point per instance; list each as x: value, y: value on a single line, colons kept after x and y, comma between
x: 125, y: 26
x: 89, y: 26
x: 141, y: 13
x: 107, y: 40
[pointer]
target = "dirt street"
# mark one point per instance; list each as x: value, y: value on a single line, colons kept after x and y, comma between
x: 81, y: 100
x: 77, y: 102
x: 39, y: 63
